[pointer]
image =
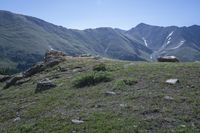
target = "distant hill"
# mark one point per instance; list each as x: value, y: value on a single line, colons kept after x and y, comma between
x: 25, y: 39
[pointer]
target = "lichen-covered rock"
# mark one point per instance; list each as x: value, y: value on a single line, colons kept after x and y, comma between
x: 44, y: 85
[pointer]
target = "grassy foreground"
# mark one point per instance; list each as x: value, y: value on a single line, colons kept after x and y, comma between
x: 142, y: 102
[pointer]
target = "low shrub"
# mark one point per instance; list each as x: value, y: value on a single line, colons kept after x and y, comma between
x: 99, y: 67
x: 91, y: 78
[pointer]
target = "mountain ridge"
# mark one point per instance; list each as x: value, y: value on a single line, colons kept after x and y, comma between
x: 25, y: 39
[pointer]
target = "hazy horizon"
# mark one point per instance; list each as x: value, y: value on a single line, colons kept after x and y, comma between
x: 123, y: 14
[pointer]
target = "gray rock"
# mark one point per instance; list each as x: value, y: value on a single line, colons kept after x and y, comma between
x: 17, y: 119
x: 172, y: 81
x: 44, y: 85
x: 168, y: 98
x: 123, y: 105
x: 75, y: 121
x: 13, y: 80
x: 108, y: 93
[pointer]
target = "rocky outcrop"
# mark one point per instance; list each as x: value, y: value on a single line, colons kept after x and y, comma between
x: 54, y: 55
x: 168, y: 59
x: 51, y: 59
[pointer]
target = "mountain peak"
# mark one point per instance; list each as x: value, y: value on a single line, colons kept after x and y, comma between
x: 142, y: 24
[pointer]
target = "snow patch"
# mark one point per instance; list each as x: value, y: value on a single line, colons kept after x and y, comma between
x: 169, y: 38
x: 168, y: 42
x: 145, y: 42
x: 106, y: 50
x: 50, y: 47
x: 170, y: 34
x: 179, y: 44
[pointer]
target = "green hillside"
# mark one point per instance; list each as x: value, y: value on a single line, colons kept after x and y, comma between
x: 105, y: 96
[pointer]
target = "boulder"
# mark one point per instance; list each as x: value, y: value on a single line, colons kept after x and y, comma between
x: 44, y: 85
x: 168, y: 59
x: 13, y: 80
x: 4, y: 78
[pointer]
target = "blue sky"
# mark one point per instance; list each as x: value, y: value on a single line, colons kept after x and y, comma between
x: 125, y: 14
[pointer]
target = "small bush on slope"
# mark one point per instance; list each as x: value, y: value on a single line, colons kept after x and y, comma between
x: 91, y: 78
x: 100, y: 67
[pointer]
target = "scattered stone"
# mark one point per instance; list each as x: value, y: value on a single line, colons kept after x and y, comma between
x: 77, y: 70
x: 123, y: 105
x: 172, y: 81
x: 75, y: 121
x: 17, y: 119
x: 44, y: 85
x: 183, y: 126
x: 108, y: 93
x: 168, y: 98
x: 13, y: 80
x: 4, y: 78
x: 168, y: 59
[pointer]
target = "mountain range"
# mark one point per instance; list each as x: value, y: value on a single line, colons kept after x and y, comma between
x: 25, y: 39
